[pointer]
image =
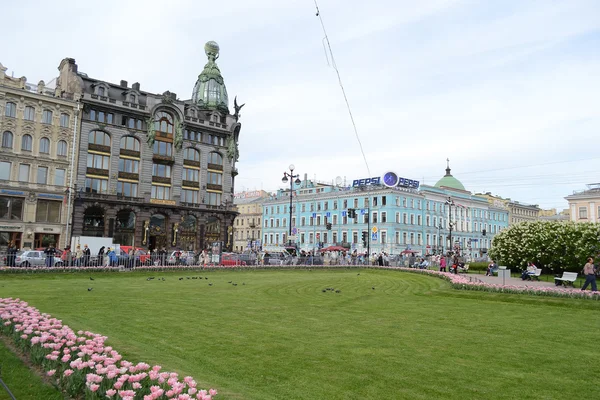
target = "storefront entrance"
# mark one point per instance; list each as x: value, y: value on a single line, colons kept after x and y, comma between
x: 43, y: 240
x: 10, y: 237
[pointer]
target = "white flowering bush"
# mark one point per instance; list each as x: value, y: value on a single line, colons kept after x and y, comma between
x: 559, y: 246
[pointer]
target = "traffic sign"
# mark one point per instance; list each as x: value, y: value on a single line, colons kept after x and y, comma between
x: 374, y: 229
x: 314, y: 215
x: 344, y: 213
x: 294, y: 230
x: 374, y: 236
x: 318, y: 235
x: 328, y: 214
x: 363, y: 211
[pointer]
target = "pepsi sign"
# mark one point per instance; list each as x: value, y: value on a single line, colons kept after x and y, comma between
x: 366, y: 181
x: 391, y: 179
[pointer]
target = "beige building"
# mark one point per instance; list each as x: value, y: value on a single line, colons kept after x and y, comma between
x: 517, y: 212
x: 247, y: 225
x: 37, y: 125
x: 584, y: 205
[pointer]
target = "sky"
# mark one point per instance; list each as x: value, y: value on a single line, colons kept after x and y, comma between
x: 508, y: 90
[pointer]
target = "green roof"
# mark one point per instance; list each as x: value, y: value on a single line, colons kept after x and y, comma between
x: 209, y: 91
x: 449, y: 181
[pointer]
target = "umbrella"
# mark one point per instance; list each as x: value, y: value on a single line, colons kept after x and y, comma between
x: 408, y: 252
x: 334, y: 248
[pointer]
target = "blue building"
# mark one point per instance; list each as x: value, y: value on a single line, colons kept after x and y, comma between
x: 392, y: 215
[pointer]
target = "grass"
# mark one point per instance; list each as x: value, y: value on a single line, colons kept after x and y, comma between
x: 276, y: 335
x: 22, y: 381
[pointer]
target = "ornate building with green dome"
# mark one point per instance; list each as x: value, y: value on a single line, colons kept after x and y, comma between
x: 155, y: 171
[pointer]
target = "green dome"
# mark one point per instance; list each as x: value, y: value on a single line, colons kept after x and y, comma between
x: 449, y: 181
x: 210, y: 91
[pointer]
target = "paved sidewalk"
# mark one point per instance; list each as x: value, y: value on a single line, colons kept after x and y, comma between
x: 495, y: 280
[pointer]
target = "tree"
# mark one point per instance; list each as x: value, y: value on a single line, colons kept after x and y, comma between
x: 559, y: 246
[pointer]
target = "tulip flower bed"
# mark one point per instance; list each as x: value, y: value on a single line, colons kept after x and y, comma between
x: 82, y: 364
x: 462, y: 282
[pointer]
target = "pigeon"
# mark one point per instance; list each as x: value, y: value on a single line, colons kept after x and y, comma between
x: 324, y: 291
x: 188, y: 277
x: 338, y: 291
x: 373, y: 288
x: 90, y: 289
x: 357, y: 274
x: 205, y: 277
x: 180, y: 279
x: 243, y: 283
x: 91, y: 279
x: 235, y: 284
x: 210, y: 284
x: 163, y: 279
x: 230, y: 282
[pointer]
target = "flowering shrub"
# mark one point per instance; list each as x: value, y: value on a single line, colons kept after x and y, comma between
x: 552, y: 244
x: 82, y: 365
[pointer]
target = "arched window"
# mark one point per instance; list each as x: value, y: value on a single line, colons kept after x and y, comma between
x: 99, y: 138
x: 64, y: 120
x: 130, y: 143
x: 26, y: 142
x: 45, y: 145
x: 7, y: 140
x: 125, y: 219
x: 61, y: 148
x: 11, y: 110
x: 93, y: 221
x: 215, y: 158
x: 132, y: 98
x: 29, y: 114
x: 163, y: 122
x: 47, y: 117
x: 191, y: 154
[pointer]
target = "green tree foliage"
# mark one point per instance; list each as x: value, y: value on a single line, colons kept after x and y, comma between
x: 559, y: 246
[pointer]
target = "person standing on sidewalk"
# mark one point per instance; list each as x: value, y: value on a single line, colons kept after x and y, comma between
x: 590, y: 275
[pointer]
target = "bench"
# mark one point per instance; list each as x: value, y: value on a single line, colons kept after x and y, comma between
x: 566, y: 278
x: 536, y: 275
x: 464, y: 269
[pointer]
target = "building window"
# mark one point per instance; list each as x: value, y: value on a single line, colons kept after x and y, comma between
x: 5, y: 170
x: 64, y: 120
x: 48, y: 211
x: 98, y: 161
x: 161, y: 170
x: 215, y: 178
x: 190, y: 196
x: 582, y: 212
x: 7, y: 140
x: 383, y: 216
x: 24, y: 172
x: 215, y: 158
x: 95, y: 185
x: 26, y: 143
x: 132, y: 98
x: 61, y: 148
x: 130, y: 143
x: 161, y: 192
x: 11, y: 208
x: 191, y: 154
x: 214, y: 199
x: 163, y: 122
x: 374, y: 214
x: 47, y: 117
x: 192, y: 135
x: 190, y: 174
x: 138, y: 124
x: 59, y: 177
x: 127, y: 189
x: 129, y: 166
x: 163, y: 148
x: 42, y: 175
x: 29, y: 114
x: 11, y: 110
x: 101, y: 91
x: 45, y: 145
x: 99, y: 138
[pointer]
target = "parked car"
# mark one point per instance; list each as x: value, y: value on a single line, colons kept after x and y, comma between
x: 142, y: 257
x: 34, y: 258
x: 57, y: 254
x: 278, y: 258
x: 231, y: 260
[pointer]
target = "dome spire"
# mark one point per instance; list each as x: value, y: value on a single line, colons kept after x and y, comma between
x: 448, y: 167
x: 448, y: 181
x: 210, y: 91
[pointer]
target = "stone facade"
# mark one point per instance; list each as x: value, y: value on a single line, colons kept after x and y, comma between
x: 517, y: 212
x: 153, y: 171
x: 246, y: 227
x: 37, y: 125
x: 584, y: 205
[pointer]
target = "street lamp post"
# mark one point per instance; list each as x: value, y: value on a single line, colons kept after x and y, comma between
x: 291, y: 177
x: 450, y: 203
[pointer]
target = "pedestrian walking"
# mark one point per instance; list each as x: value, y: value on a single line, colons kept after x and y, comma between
x: 589, y: 271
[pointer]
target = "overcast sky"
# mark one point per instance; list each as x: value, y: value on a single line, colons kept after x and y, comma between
x: 508, y: 90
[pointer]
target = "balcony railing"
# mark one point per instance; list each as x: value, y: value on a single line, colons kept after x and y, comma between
x: 131, y: 153
x: 129, y: 175
x: 212, y: 186
x: 96, y: 171
x: 216, y: 167
x: 163, y: 159
x: 191, y: 163
x: 99, y: 147
x: 193, y: 184
x: 161, y: 179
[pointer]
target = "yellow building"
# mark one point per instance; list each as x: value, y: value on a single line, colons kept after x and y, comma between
x: 247, y: 225
x: 37, y: 126
x: 584, y: 205
x: 517, y: 212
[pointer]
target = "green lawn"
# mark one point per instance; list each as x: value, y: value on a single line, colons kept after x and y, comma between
x: 276, y: 335
x: 21, y: 380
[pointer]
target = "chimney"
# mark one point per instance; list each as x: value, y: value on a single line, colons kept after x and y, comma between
x: 173, y: 96
x: 124, y: 84
x: 136, y: 86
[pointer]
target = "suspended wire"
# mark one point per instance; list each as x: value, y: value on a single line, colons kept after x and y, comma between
x: 333, y: 64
